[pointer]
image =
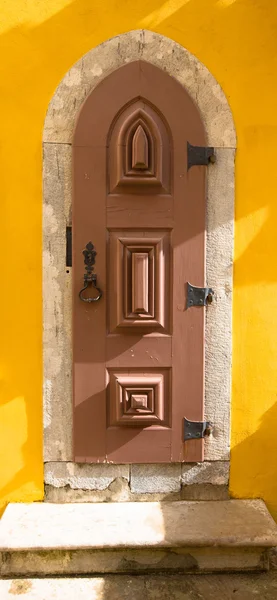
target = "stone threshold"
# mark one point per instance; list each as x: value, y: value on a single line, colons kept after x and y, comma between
x: 176, y: 587
x: 44, y: 538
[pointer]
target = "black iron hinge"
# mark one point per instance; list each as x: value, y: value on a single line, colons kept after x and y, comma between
x: 200, y: 155
x: 69, y: 246
x: 199, y: 296
x: 195, y: 430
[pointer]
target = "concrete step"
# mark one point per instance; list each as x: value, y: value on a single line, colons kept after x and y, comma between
x: 73, y: 539
x: 162, y: 587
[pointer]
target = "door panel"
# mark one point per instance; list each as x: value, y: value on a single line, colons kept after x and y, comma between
x: 139, y: 398
x: 138, y: 354
x: 139, y: 266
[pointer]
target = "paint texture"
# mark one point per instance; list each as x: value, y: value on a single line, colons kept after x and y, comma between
x: 39, y: 42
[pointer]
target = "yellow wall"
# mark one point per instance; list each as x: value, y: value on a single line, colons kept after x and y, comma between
x: 39, y: 42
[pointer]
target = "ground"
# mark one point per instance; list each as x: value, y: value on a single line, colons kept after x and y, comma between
x: 119, y: 587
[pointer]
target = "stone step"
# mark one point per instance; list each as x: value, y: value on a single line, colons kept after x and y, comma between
x: 155, y: 587
x: 74, y: 539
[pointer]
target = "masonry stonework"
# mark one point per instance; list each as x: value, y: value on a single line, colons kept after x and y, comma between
x: 64, y: 480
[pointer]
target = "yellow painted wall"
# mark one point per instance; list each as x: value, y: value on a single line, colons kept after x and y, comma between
x: 39, y: 42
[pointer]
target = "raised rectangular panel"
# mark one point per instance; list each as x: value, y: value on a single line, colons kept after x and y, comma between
x: 139, y: 398
x: 139, y: 266
x: 140, y: 287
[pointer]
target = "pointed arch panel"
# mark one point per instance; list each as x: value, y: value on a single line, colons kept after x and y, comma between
x: 139, y: 151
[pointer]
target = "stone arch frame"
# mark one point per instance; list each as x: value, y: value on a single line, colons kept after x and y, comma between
x: 60, y: 120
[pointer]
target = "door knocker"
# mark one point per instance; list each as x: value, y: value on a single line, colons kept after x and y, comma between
x: 90, y: 278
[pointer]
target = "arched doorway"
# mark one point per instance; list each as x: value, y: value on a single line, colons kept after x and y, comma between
x: 59, y: 125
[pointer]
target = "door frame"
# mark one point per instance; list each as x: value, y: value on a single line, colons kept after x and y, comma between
x: 60, y: 120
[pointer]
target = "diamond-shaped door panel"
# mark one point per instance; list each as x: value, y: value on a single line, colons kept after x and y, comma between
x: 139, y: 280
x: 139, y: 398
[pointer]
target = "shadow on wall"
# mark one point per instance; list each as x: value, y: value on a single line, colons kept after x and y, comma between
x: 35, y: 61
x: 261, y: 473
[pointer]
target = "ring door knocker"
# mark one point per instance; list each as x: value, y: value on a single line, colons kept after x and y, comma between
x: 90, y: 278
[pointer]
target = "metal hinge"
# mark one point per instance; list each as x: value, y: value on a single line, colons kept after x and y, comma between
x: 200, y: 155
x: 198, y: 296
x: 195, y: 430
x: 69, y: 247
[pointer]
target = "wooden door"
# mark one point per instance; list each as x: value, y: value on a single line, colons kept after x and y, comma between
x: 138, y: 360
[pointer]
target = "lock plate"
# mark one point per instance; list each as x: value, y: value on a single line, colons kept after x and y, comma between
x: 195, y: 430
x: 69, y: 246
x: 198, y: 296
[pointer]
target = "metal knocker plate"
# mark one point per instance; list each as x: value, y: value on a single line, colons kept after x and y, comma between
x: 90, y: 278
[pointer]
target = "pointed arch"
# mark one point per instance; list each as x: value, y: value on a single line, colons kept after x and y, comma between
x: 139, y: 130
x: 140, y: 150
x: 59, y: 125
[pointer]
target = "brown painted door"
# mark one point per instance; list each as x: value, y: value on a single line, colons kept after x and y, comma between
x: 138, y: 360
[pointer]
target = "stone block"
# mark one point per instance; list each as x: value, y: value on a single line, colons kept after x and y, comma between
x: 152, y: 479
x: 96, y: 477
x: 212, y: 473
x: 205, y: 491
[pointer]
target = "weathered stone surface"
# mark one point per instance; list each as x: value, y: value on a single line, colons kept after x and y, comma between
x: 49, y: 539
x: 198, y: 81
x: 169, y: 587
x: 83, y: 476
x: 42, y: 526
x: 215, y: 473
x: 212, y: 587
x: 74, y: 589
x: 218, y: 330
x: 205, y: 491
x: 118, y: 491
x: 153, y: 479
x: 57, y: 334
x: 70, y: 482
x: 273, y: 558
x: 140, y: 560
x: 160, y: 51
